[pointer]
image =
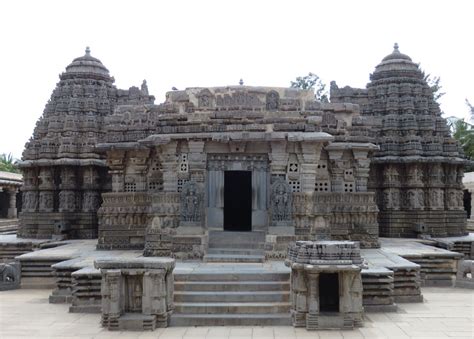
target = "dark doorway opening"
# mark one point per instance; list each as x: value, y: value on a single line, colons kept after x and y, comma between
x: 467, y: 203
x: 329, y: 292
x: 237, y: 201
x: 4, y: 204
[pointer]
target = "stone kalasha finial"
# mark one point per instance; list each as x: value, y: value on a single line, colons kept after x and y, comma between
x: 241, y: 82
x: 88, y: 51
x: 395, y: 48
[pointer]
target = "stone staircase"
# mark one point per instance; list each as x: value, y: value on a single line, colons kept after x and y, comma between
x: 241, y: 247
x: 9, y: 226
x: 230, y: 298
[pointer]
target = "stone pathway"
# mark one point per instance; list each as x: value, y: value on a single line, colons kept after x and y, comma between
x: 446, y: 313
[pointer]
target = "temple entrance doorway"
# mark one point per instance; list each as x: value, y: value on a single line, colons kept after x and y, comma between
x: 329, y: 292
x: 238, y: 201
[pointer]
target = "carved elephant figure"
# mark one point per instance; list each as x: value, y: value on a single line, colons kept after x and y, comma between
x: 8, y: 273
x: 465, y: 267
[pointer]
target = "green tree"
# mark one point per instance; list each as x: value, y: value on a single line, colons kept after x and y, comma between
x: 471, y: 109
x: 435, y: 84
x: 8, y: 164
x: 463, y: 132
x: 312, y: 81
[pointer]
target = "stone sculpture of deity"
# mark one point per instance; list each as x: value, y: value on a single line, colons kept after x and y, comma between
x: 281, y: 201
x: 191, y: 202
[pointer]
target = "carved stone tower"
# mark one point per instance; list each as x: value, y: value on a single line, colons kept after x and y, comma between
x: 418, y: 170
x: 64, y: 175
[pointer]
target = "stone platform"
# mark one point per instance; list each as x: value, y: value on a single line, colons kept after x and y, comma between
x: 437, y: 266
x: 463, y: 244
x: 11, y: 246
x: 393, y: 275
x: 446, y: 313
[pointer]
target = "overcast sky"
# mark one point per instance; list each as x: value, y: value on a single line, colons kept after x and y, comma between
x: 214, y: 43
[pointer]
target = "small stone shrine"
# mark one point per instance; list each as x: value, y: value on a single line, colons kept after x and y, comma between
x: 137, y: 294
x: 326, y: 284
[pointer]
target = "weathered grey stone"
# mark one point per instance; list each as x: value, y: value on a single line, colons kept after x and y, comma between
x: 310, y: 262
x: 465, y: 274
x: 137, y: 293
x: 10, y: 275
x: 417, y: 171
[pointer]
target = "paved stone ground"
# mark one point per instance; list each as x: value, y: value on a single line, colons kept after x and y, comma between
x: 446, y: 313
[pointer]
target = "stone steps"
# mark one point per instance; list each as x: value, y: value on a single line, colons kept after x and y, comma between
x: 86, y: 291
x: 240, y: 258
x: 231, y: 307
x: 238, y: 251
x: 241, y: 247
x: 230, y: 286
x: 231, y: 298
x: 219, y: 277
x: 9, y: 226
x: 231, y: 320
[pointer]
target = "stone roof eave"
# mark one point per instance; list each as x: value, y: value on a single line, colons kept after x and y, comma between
x: 161, y: 139
x: 62, y: 162
x: 420, y: 159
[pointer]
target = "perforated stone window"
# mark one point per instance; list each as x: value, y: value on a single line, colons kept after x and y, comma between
x: 348, y: 187
x: 155, y: 186
x: 322, y: 166
x: 322, y: 186
x: 183, y: 163
x: 181, y: 183
x: 156, y: 166
x: 349, y: 175
x: 293, y: 167
x: 295, y: 185
x: 130, y: 187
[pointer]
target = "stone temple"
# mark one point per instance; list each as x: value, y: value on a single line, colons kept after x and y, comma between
x: 173, y: 178
x: 241, y: 174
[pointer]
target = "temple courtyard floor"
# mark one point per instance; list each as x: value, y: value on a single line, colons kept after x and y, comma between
x: 445, y: 313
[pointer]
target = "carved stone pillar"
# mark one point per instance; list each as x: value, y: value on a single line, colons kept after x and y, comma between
x: 67, y: 195
x: 137, y: 167
x: 197, y: 161
x: 46, y: 186
x: 116, y: 163
x: 112, y: 293
x: 29, y: 190
x: 170, y: 182
x: 337, y: 170
x: 362, y: 170
x: 67, y: 201
x: 12, y: 212
x: 90, y: 186
x: 117, y: 180
x: 471, y: 217
x: 313, y: 295
x: 278, y: 158
x: 309, y: 162
x: 46, y: 203
x: 30, y: 201
x: 90, y: 201
x: 299, y: 297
